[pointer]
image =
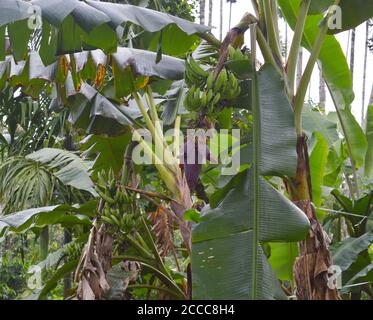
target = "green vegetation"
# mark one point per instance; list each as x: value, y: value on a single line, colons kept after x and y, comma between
x: 81, y: 218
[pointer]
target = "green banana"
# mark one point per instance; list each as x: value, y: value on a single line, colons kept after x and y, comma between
x: 196, y: 69
x: 210, y: 80
x: 197, y: 98
x: 210, y: 95
x: 203, y: 99
x: 115, y: 220
x: 216, y: 98
x: 220, y: 81
x: 106, y: 197
x: 108, y: 220
x: 231, y: 52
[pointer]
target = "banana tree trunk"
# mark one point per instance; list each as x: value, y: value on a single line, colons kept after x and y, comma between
x: 365, y: 71
x: 312, y: 267
x: 352, y: 55
x: 67, y: 279
x: 202, y: 6
x: 221, y: 21
x: 210, y: 13
x: 44, y: 243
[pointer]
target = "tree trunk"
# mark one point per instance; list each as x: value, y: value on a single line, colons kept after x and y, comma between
x: 202, y: 6
x: 221, y: 21
x: 371, y: 97
x: 312, y: 268
x: 67, y: 232
x: 352, y: 54
x: 322, y: 92
x: 68, y: 277
x: 44, y: 242
x: 365, y: 72
x: 210, y: 13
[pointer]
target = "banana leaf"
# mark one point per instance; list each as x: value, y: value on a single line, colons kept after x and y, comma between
x: 227, y: 257
x: 72, y: 26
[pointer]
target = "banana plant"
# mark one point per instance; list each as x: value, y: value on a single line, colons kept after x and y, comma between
x: 304, y: 19
x: 109, y: 89
x: 252, y: 212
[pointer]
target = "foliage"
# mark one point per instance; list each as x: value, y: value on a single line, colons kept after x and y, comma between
x: 73, y: 97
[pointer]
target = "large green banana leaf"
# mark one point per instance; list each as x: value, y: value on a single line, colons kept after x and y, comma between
x: 227, y: 258
x: 369, y: 135
x: 354, y: 12
x: 40, y: 217
x: 332, y: 59
x: 85, y: 66
x: 94, y: 111
x: 347, y: 252
x: 72, y: 25
x: 314, y: 121
x: 318, y: 160
x: 337, y: 76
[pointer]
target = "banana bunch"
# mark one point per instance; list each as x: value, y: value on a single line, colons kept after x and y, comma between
x: 197, y: 99
x: 194, y: 74
x: 117, y: 203
x: 116, y: 217
x: 236, y: 54
x: 73, y: 250
x: 106, y: 186
x: 232, y: 89
x: 226, y: 86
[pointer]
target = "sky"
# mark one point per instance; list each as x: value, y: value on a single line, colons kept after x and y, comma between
x: 242, y: 6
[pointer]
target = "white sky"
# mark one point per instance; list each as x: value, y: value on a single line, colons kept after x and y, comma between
x: 242, y: 6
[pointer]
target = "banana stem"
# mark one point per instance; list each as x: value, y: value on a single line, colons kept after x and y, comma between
x: 295, y: 45
x: 156, y: 133
x: 145, y: 115
x: 271, y: 30
x: 165, y: 175
x: 304, y: 82
x: 266, y: 50
x: 153, y: 111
